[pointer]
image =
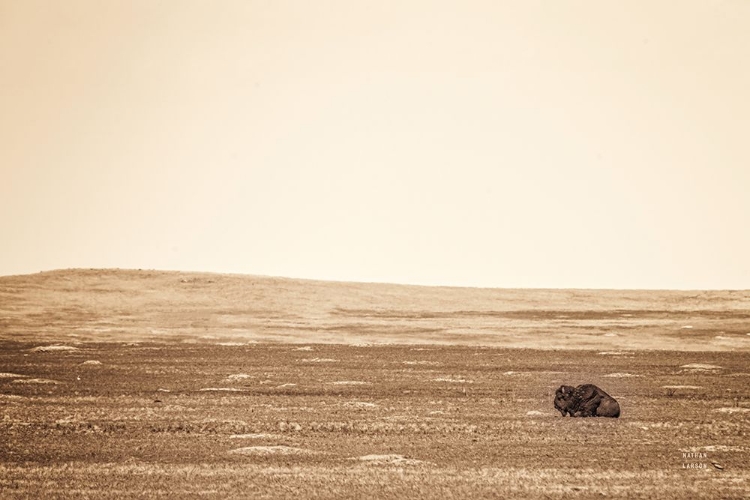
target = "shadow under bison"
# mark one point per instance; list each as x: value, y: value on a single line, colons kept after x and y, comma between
x: 585, y: 401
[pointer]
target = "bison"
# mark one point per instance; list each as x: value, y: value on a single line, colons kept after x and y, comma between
x: 585, y: 401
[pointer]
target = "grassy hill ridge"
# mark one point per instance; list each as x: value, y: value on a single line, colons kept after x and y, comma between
x: 140, y: 305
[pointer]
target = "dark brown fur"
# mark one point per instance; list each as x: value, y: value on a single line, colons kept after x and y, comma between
x: 585, y: 400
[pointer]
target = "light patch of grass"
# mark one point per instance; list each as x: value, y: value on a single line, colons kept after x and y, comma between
x: 701, y: 366
x: 221, y: 389
x: 360, y: 404
x: 35, y: 381
x: 389, y: 460
x: 271, y: 450
x: 735, y: 409
x: 54, y: 348
x: 257, y: 435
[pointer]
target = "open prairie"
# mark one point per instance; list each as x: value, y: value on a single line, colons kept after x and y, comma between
x: 124, y: 384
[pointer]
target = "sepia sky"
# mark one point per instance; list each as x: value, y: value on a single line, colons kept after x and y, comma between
x: 596, y: 144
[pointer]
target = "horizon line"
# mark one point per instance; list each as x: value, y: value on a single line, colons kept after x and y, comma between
x: 369, y: 282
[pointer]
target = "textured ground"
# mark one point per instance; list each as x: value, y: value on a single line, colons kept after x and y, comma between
x: 173, y: 406
x: 335, y: 421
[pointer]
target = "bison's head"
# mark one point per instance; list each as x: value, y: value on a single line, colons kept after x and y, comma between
x: 563, y: 398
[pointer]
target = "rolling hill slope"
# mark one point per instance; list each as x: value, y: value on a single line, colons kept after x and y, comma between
x: 128, y: 305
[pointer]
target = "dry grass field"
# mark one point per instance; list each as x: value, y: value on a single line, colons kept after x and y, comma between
x: 132, y: 384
